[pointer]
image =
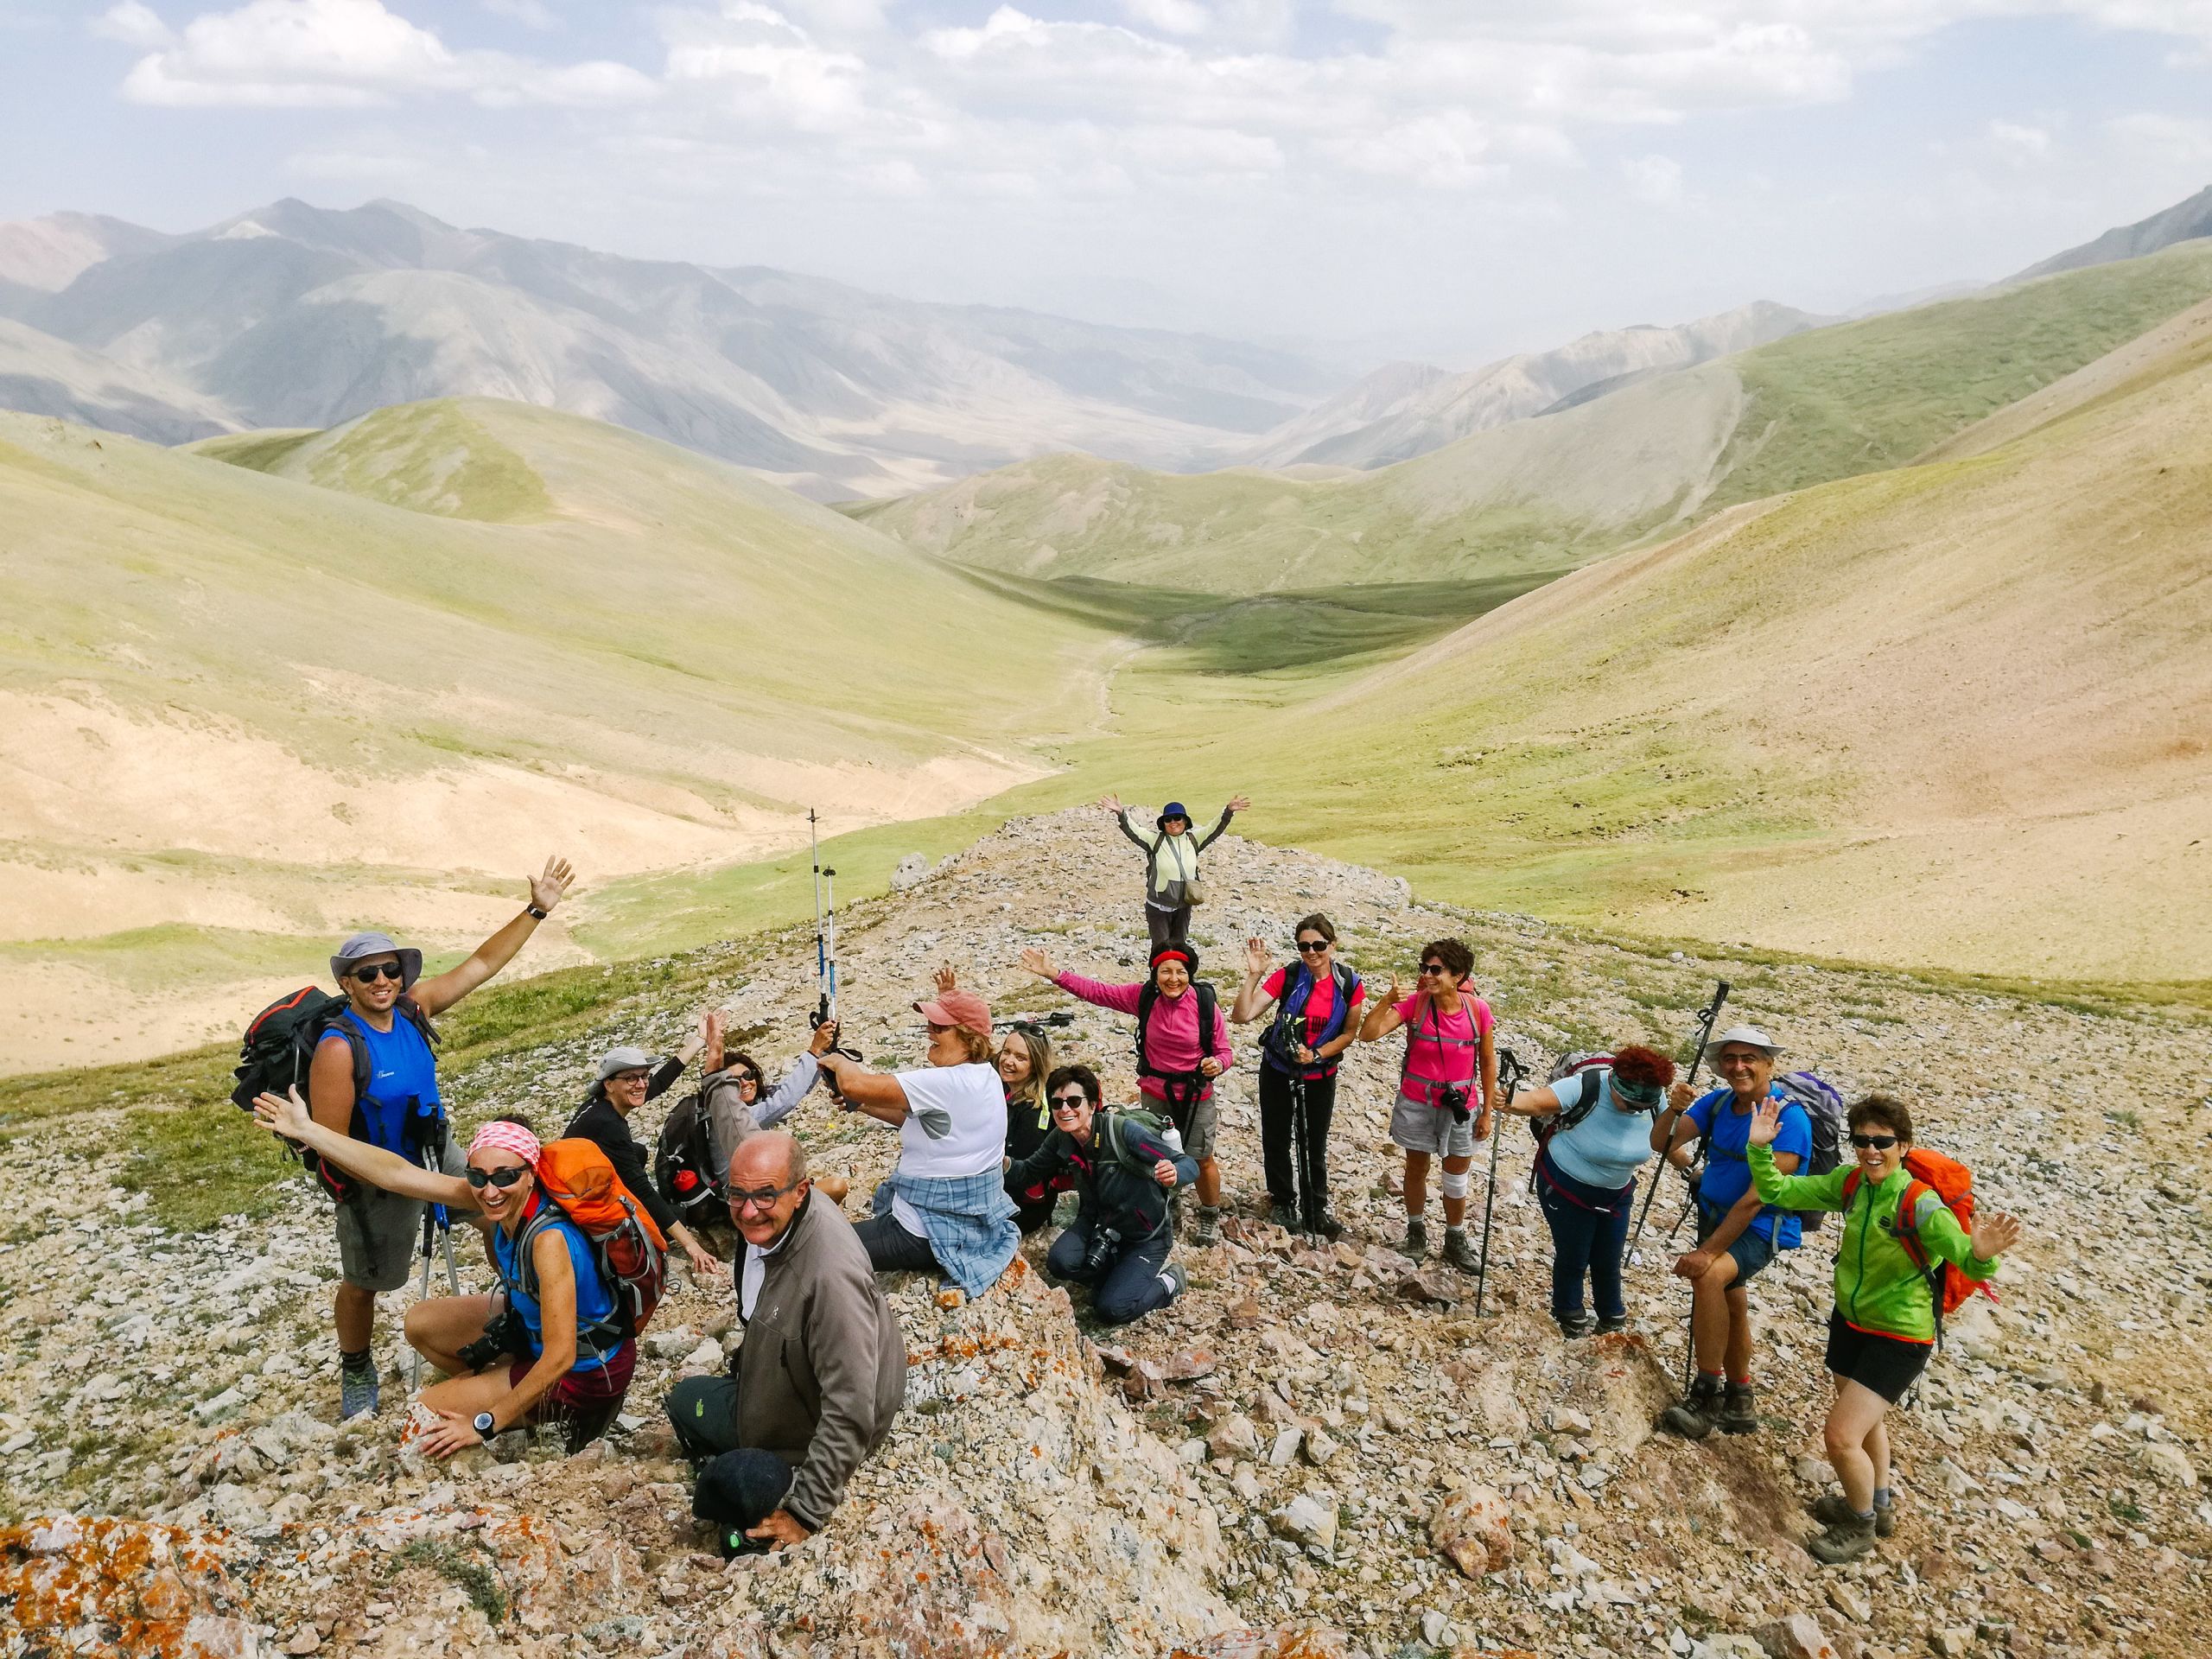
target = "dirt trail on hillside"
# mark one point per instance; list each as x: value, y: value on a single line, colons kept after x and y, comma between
x: 1253, y: 1472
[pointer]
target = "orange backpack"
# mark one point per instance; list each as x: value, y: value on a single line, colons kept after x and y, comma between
x: 1950, y: 1183
x: 632, y: 1256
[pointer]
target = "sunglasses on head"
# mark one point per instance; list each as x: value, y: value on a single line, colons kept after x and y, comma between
x: 1313, y: 947
x: 377, y: 970
x: 506, y: 1175
x: 763, y: 1198
x: 1879, y: 1143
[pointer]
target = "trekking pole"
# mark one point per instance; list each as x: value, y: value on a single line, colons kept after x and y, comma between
x: 1299, y: 1186
x: 423, y: 1290
x: 1705, y: 1022
x: 822, y: 1005
x: 1509, y: 1082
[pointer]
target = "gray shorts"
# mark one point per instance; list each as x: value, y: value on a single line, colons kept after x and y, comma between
x: 379, y: 1233
x: 1195, y: 1123
x: 1418, y: 1126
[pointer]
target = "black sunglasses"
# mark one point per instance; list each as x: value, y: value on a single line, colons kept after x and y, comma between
x: 1433, y: 967
x: 1881, y: 1142
x: 377, y: 970
x: 506, y: 1175
x: 1310, y: 947
x: 1076, y: 1099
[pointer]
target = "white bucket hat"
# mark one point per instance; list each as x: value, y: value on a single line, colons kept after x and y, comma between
x: 1751, y: 1036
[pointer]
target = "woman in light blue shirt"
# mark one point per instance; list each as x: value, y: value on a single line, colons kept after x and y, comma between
x: 1593, y: 1132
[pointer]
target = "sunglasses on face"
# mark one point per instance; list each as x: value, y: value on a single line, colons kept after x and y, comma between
x: 377, y: 970
x: 1312, y: 947
x: 506, y: 1175
x: 765, y: 1198
x: 1436, y: 968
x: 748, y: 1079
x: 1069, y: 1103
x: 1879, y: 1142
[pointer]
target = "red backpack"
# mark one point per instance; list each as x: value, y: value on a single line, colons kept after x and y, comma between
x: 1950, y: 1183
x: 632, y: 1256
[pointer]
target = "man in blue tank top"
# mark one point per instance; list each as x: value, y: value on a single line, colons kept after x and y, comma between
x: 374, y: 1078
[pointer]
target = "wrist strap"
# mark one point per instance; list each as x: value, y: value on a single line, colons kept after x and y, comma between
x: 534, y: 911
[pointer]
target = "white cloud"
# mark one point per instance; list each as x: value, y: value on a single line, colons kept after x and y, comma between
x: 133, y: 24
x: 1655, y: 180
x: 531, y: 13
x: 2165, y: 140
x: 2015, y: 141
x: 1169, y: 16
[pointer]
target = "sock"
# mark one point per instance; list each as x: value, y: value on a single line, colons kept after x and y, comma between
x: 1713, y: 1377
x: 1863, y: 1515
x: 1882, y: 1499
x: 1739, y: 1382
x: 1451, y: 1232
x: 354, y: 1361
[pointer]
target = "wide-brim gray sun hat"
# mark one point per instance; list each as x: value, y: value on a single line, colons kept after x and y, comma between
x: 1751, y: 1036
x: 362, y: 946
x: 626, y: 1060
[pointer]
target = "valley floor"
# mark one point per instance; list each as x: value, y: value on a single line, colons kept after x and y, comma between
x: 165, y: 1359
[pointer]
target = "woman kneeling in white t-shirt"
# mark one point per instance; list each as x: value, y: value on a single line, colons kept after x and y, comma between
x: 944, y: 1206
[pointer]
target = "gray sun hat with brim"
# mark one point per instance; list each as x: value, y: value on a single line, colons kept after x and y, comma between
x: 1751, y: 1036
x: 362, y: 946
x: 626, y: 1060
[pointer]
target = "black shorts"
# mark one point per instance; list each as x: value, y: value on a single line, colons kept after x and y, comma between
x: 1889, y: 1365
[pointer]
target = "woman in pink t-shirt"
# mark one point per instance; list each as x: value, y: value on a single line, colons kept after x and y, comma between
x: 1445, y: 1090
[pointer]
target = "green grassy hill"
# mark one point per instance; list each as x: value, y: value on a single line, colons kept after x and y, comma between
x: 1564, y: 489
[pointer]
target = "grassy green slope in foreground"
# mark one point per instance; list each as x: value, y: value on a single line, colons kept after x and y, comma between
x: 1567, y: 488
x: 1953, y: 713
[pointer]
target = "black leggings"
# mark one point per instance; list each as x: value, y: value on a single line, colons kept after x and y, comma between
x: 890, y: 1248
x: 1276, y: 1111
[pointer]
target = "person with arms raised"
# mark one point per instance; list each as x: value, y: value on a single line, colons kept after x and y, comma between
x: 375, y: 1078
x: 945, y: 1208
x: 1450, y: 1059
x: 1123, y: 1170
x: 1182, y: 1047
x: 820, y: 1376
x: 1317, y: 1001
x: 1170, y: 865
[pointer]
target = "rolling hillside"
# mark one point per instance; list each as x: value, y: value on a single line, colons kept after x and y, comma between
x: 378, y: 681
x: 1832, y: 403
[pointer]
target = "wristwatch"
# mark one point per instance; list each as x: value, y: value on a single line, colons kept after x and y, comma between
x: 483, y: 1424
x: 535, y: 912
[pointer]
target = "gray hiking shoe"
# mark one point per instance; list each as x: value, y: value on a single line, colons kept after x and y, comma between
x: 1831, y: 1510
x: 1844, y: 1541
x: 1459, y: 1250
x: 1608, y: 1323
x: 1283, y: 1215
x: 1173, y: 1277
x: 1692, y: 1419
x: 357, y: 1392
x: 1207, y: 1230
x: 1738, y: 1410
x: 1415, y: 1243
x: 1574, y: 1326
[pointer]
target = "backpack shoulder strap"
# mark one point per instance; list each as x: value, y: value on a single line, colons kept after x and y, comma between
x: 416, y: 1018
x: 1850, y: 1187
x: 1147, y: 999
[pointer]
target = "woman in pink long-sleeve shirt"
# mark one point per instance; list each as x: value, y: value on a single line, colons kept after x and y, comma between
x: 1178, y: 1061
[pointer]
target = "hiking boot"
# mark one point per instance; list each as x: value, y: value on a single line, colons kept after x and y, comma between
x: 1459, y: 1250
x: 1608, y: 1323
x: 1844, y: 1541
x: 1173, y: 1277
x: 1324, y: 1225
x: 1284, y: 1214
x: 357, y: 1391
x: 1693, y: 1417
x: 1207, y: 1232
x: 1415, y: 1243
x: 1738, y: 1411
x: 1575, y: 1326
x: 1832, y: 1510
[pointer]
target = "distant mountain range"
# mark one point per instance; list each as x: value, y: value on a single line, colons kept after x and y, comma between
x: 1405, y: 410
x: 2184, y: 221
x: 297, y: 316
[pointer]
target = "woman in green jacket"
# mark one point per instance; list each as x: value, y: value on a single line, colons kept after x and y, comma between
x: 1882, y: 1327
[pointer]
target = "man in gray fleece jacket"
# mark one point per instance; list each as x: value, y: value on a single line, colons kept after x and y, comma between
x: 822, y: 1373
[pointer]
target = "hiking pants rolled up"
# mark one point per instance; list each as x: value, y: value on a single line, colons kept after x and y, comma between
x: 1130, y: 1287
x: 1167, y: 925
x: 892, y: 1248
x: 1589, y: 1235
x: 1277, y: 1107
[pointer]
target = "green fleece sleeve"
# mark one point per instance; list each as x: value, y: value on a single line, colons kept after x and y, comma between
x: 1794, y: 1192
x: 1944, y: 1240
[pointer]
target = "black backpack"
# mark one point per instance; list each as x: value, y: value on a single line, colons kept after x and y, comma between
x: 684, y: 1172
x: 1147, y: 999
x: 1570, y: 1065
x: 279, y: 1046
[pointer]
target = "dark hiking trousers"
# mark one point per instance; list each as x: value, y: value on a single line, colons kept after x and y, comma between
x: 737, y: 1486
x: 1167, y: 926
x: 1277, y: 1104
x: 1130, y: 1287
x: 1589, y: 1234
x: 892, y: 1248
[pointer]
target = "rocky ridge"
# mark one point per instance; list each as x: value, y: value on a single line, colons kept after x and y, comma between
x: 1314, y: 1451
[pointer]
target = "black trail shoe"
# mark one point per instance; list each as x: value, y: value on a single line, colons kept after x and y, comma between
x: 1738, y: 1411
x: 1692, y: 1417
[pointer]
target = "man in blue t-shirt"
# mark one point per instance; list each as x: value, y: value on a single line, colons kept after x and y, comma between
x: 1736, y: 1234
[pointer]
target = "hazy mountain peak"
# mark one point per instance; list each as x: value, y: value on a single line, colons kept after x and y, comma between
x: 2183, y: 222
x: 47, y: 254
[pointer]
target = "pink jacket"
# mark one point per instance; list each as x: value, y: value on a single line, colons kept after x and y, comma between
x: 1172, y: 1039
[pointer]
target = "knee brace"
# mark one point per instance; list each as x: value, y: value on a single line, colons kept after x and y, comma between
x: 1456, y: 1187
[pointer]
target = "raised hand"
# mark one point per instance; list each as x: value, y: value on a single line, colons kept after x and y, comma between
x: 1258, y: 957
x: 1766, y: 1122
x: 1390, y: 993
x: 710, y: 1036
x: 285, y: 1114
x: 946, y: 981
x: 1994, y: 1234
x: 824, y: 1038
x: 1238, y: 803
x: 1036, y: 962
x: 546, y: 888
x: 1112, y: 803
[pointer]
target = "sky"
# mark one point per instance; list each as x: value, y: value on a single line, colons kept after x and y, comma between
x: 1446, y: 180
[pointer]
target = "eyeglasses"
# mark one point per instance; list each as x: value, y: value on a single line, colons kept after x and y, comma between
x: 626, y: 1077
x: 506, y: 1175
x: 739, y: 1198
x: 1312, y: 947
x: 1879, y: 1143
x: 936, y: 1030
x: 377, y: 970
x: 1069, y: 1103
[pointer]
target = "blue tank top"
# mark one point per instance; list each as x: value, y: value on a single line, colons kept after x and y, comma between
x: 594, y: 1303
x: 401, y: 1069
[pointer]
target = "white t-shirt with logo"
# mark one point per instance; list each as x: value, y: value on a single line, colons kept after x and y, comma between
x: 956, y: 1125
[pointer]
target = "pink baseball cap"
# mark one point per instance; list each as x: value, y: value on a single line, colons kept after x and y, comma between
x: 962, y: 1008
